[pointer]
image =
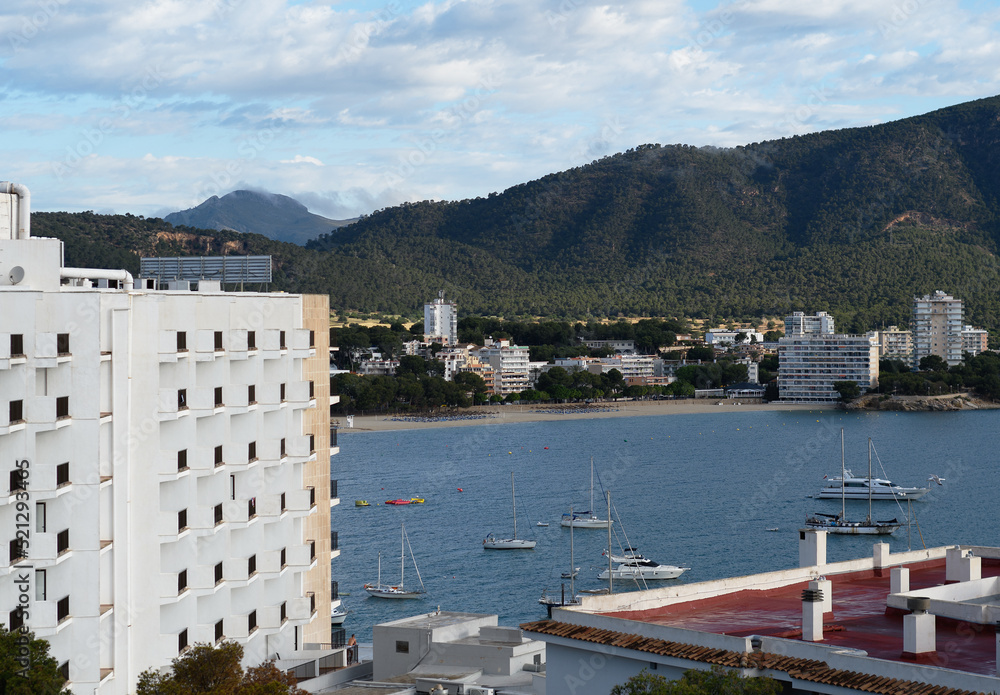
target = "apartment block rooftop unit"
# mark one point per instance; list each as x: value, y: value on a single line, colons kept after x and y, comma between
x: 921, y: 623
x: 171, y: 450
x: 800, y: 324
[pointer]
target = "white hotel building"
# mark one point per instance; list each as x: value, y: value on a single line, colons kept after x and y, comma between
x: 176, y: 448
x: 811, y: 358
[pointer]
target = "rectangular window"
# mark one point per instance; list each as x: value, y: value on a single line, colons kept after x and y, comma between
x: 284, y: 611
x: 218, y: 455
x: 218, y: 573
x: 17, y: 550
x: 219, y: 634
x: 312, y: 497
x: 252, y: 621
x: 64, y: 670
x: 62, y: 609
x: 282, y: 447
x: 281, y: 393
x: 312, y: 339
x: 40, y: 585
x: 218, y: 341
x: 312, y: 390
x: 62, y: 407
x: 17, y: 345
x: 312, y: 443
x: 182, y: 341
x: 283, y: 506
x: 62, y: 541
x: 182, y: 520
x: 402, y: 647
x: 218, y: 397
x: 40, y: 517
x: 16, y: 411
x: 232, y: 486
x: 252, y: 451
x: 312, y: 602
x: 218, y: 514
x: 251, y: 394
x: 182, y: 641
x: 182, y: 460
x: 182, y: 581
x: 16, y: 619
x: 62, y: 474
x: 17, y: 480
x: 182, y: 399
x: 251, y: 565
x: 312, y: 550
x: 62, y: 343
x: 281, y: 340
x: 251, y: 340
x: 284, y: 556
x: 251, y: 507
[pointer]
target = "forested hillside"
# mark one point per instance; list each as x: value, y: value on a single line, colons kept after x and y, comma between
x: 854, y: 221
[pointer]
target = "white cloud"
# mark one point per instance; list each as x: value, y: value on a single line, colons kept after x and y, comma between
x: 300, y: 159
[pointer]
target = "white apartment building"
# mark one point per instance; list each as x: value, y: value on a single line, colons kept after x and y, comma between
x: 632, y: 367
x: 724, y: 336
x: 619, y: 346
x: 895, y: 344
x: 937, y: 328
x: 809, y: 365
x: 974, y: 340
x: 800, y: 324
x: 176, y: 450
x: 511, y: 371
x: 441, y: 321
x: 378, y: 367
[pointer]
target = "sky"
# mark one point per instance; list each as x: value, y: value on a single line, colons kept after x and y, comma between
x: 153, y: 106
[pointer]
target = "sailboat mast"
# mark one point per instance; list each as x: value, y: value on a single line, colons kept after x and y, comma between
x: 572, y: 569
x: 869, y: 479
x: 591, y: 484
x: 402, y: 553
x: 843, y: 482
x: 513, y: 503
x: 380, y: 570
x: 610, y: 576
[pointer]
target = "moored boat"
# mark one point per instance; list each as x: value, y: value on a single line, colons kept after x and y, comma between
x: 380, y: 590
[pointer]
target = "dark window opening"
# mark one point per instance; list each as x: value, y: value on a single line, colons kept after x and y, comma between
x: 312, y: 339
x: 283, y: 506
x: 218, y: 573
x: 182, y: 460
x: 252, y: 621
x: 182, y: 341
x: 17, y: 618
x: 402, y: 647
x: 252, y: 451
x: 251, y: 340
x: 312, y: 443
x: 62, y: 343
x: 282, y: 447
x: 182, y: 641
x: 218, y: 631
x: 17, y: 345
x: 218, y: 455
x: 218, y: 514
x: 218, y: 397
x: 312, y: 389
x: 312, y: 550
x: 62, y: 541
x: 62, y: 609
x: 218, y: 341
x: 284, y: 557
x: 251, y: 565
x: 281, y: 392
x: 182, y: 399
x: 251, y: 507
x: 18, y: 480
x: 62, y: 474
x: 18, y: 550
x: 281, y: 340
x: 251, y: 394
x: 62, y: 407
x: 182, y: 581
x: 182, y: 520
x: 284, y: 611
x: 16, y: 410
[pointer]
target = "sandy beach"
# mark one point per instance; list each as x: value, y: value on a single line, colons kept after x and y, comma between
x: 508, y: 414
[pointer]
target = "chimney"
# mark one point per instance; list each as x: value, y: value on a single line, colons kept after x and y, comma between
x: 970, y: 568
x: 880, y: 555
x: 812, y: 548
x: 812, y: 615
x: 919, y: 636
x: 825, y: 588
x: 899, y: 580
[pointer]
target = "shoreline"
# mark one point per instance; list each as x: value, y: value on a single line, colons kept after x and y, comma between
x: 513, y: 414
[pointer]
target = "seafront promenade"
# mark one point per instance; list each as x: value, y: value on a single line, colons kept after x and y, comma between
x: 509, y: 414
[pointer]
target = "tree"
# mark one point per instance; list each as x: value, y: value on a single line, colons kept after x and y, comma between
x: 42, y: 676
x: 773, y: 336
x: 208, y: 670
x: 706, y: 354
x: 848, y: 390
x: 718, y: 681
x: 933, y: 363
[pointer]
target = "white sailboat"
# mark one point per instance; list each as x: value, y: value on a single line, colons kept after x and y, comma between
x: 838, y: 523
x: 586, y: 519
x: 491, y: 542
x: 380, y: 590
x: 550, y: 600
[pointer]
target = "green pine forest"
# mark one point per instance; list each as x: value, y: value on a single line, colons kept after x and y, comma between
x: 854, y: 221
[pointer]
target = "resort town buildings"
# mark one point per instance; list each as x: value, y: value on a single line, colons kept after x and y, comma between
x: 441, y: 321
x: 937, y: 328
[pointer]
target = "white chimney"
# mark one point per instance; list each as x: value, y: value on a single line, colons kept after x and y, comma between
x: 970, y: 568
x: 812, y: 615
x: 812, y: 548
x: 919, y: 636
x: 880, y: 555
x: 953, y: 558
x: 899, y: 580
x: 825, y: 588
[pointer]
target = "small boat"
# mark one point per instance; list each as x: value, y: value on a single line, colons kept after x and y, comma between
x: 361, y: 503
x: 635, y: 566
x: 380, y: 590
x: 571, y: 575
x: 851, y: 487
x: 542, y: 523
x: 773, y: 528
x: 586, y: 519
x: 338, y: 615
x: 838, y: 523
x: 595, y: 592
x: 416, y: 500
x: 491, y: 542
x: 399, y: 501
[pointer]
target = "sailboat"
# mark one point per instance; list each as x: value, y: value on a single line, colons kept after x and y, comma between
x: 380, y: 590
x: 838, y: 523
x: 550, y: 601
x: 586, y: 519
x: 493, y: 543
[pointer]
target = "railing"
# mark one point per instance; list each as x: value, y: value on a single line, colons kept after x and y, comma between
x: 334, y: 590
x: 334, y: 545
x: 333, y: 489
x: 333, y: 436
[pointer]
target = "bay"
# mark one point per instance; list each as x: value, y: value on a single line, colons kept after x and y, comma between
x: 699, y: 491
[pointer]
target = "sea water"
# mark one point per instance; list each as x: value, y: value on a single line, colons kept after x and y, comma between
x: 698, y: 491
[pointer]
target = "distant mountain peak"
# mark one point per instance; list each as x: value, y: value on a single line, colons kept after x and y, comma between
x: 273, y: 215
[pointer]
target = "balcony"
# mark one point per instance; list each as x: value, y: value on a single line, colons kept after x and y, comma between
x: 300, y: 556
x: 299, y: 502
x: 236, y: 512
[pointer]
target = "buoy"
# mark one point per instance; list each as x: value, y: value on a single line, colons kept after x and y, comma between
x: 460, y: 489
x: 546, y: 447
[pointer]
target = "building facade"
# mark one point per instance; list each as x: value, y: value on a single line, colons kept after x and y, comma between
x: 175, y: 457
x: 511, y: 372
x: 441, y: 321
x: 974, y: 340
x: 937, y: 328
x: 895, y: 344
x: 800, y: 324
x: 809, y: 365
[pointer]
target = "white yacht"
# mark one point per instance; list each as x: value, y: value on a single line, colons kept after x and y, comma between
x: 635, y: 566
x: 857, y: 488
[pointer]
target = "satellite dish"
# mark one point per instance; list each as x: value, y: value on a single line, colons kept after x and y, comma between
x: 16, y: 274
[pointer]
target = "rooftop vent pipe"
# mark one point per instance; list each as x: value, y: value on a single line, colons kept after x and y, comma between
x: 919, y: 636
x: 122, y: 276
x: 23, y: 207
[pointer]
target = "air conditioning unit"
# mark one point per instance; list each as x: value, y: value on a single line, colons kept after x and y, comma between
x: 479, y: 690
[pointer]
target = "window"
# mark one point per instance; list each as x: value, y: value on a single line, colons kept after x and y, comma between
x: 40, y: 585
x: 312, y: 602
x: 252, y: 451
x: 281, y: 340
x: 17, y: 550
x: 16, y: 410
x: 182, y: 460
x: 232, y: 486
x: 62, y: 474
x: 182, y: 581
x: 312, y: 443
x: 281, y: 393
x: 40, y: 517
x: 251, y: 507
x: 182, y: 399
x: 284, y: 557
x: 62, y: 407
x: 62, y: 541
x: 284, y: 611
x: 17, y: 345
x: 312, y: 550
x: 182, y: 641
x: 252, y: 621
x: 218, y: 514
x: 312, y: 339
x: 182, y: 520
x: 251, y: 340
x: 16, y: 619
x: 252, y: 565
x: 282, y: 447
x: 251, y: 394
x: 218, y: 397
x: 218, y: 341
x: 62, y: 343
x: 62, y: 609
x: 182, y: 341
x: 218, y: 455
x: 64, y: 670
x: 219, y: 634
x: 218, y: 573
x: 283, y: 506
x: 17, y: 480
x: 312, y: 496
x: 312, y: 390
x: 402, y: 647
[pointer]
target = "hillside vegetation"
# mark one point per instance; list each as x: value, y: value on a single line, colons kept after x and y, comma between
x: 854, y: 221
